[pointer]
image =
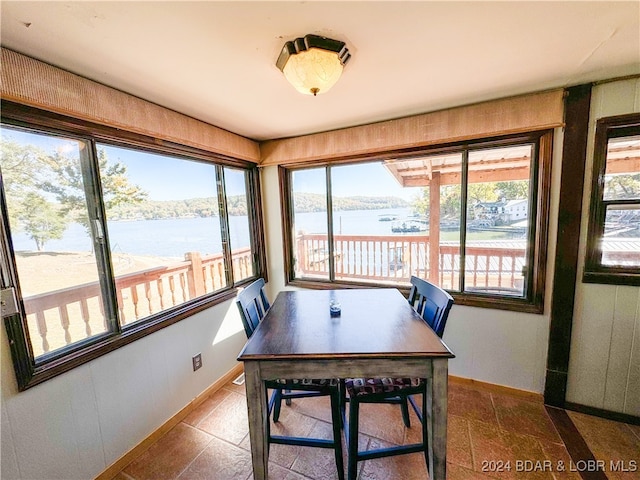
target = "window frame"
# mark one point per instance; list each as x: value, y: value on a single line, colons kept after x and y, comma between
x: 532, y: 302
x: 31, y: 372
x: 594, y: 270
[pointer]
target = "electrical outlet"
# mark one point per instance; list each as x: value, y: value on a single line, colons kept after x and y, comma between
x: 197, y: 361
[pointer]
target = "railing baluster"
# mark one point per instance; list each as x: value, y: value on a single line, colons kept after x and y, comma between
x: 221, y: 276
x: 453, y: 268
x: 183, y: 287
x: 147, y: 292
x: 214, y: 276
x: 134, y: 299
x: 64, y: 321
x: 84, y: 313
x: 203, y: 279
x: 160, y: 285
x: 172, y: 288
x: 209, y: 277
x: 42, y: 329
x: 120, y: 300
x: 346, y: 261
x: 487, y: 269
x: 475, y: 270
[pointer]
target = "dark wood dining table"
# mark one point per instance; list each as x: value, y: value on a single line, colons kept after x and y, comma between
x: 377, y: 334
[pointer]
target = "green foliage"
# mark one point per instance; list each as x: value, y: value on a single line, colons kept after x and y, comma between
x: 42, y: 220
x: 21, y: 168
x: 450, y: 196
x: 188, y: 208
x: 513, y: 190
x: 67, y: 183
x: 316, y: 202
x: 46, y: 191
x: 367, y: 203
x: 237, y: 205
x: 622, y: 187
x: 420, y: 203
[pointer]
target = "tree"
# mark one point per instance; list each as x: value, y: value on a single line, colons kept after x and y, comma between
x: 32, y: 179
x: 622, y: 187
x: 513, y: 190
x: 41, y: 220
x: 420, y: 203
x: 450, y: 198
x: 66, y: 183
x: 21, y: 167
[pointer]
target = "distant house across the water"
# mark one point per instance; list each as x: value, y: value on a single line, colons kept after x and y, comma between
x: 502, y: 211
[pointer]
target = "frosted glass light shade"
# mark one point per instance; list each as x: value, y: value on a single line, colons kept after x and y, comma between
x: 313, y: 64
x: 313, y: 71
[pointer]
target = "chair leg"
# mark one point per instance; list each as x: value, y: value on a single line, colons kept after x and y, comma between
x: 353, y: 439
x: 277, y: 403
x: 425, y: 428
x: 404, y: 405
x: 415, y: 408
x: 269, y: 404
x: 343, y: 401
x: 287, y: 400
x: 336, y: 417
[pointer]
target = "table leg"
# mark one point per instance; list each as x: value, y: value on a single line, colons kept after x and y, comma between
x: 437, y: 413
x: 258, y: 420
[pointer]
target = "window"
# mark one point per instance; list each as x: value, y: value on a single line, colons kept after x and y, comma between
x: 467, y: 217
x: 108, y: 241
x: 613, y: 242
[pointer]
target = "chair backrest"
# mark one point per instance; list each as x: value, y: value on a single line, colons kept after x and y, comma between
x: 253, y: 305
x: 431, y: 302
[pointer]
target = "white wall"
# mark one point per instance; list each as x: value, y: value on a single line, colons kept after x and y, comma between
x: 604, y: 365
x: 79, y: 423
x: 496, y: 346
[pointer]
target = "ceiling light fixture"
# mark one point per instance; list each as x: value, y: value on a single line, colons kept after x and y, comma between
x: 313, y: 64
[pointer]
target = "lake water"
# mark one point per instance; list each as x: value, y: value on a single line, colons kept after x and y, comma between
x: 174, y: 237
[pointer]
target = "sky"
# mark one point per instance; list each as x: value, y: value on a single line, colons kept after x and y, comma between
x: 371, y: 179
x: 165, y: 179
x: 159, y: 175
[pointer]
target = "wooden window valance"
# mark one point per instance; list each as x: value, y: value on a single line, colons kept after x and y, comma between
x: 526, y: 113
x: 31, y: 82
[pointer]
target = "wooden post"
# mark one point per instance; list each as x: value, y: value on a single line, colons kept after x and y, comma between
x: 434, y: 228
x: 194, y: 275
x: 302, y: 260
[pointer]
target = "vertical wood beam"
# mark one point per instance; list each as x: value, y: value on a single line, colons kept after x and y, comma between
x: 434, y: 228
x: 195, y: 276
x: 574, y: 153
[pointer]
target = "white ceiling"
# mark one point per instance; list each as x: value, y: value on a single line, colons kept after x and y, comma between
x: 215, y: 61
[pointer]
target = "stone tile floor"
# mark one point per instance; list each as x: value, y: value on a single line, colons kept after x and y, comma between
x: 491, y: 434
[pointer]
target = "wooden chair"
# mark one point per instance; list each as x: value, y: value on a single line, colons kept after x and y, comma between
x: 433, y: 304
x: 253, y: 305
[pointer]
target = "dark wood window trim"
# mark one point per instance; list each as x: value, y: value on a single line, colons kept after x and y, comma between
x: 594, y: 270
x: 541, y: 180
x: 30, y: 372
x: 574, y: 151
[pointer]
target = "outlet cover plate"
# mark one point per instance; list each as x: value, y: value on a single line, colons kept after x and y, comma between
x: 197, y: 361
